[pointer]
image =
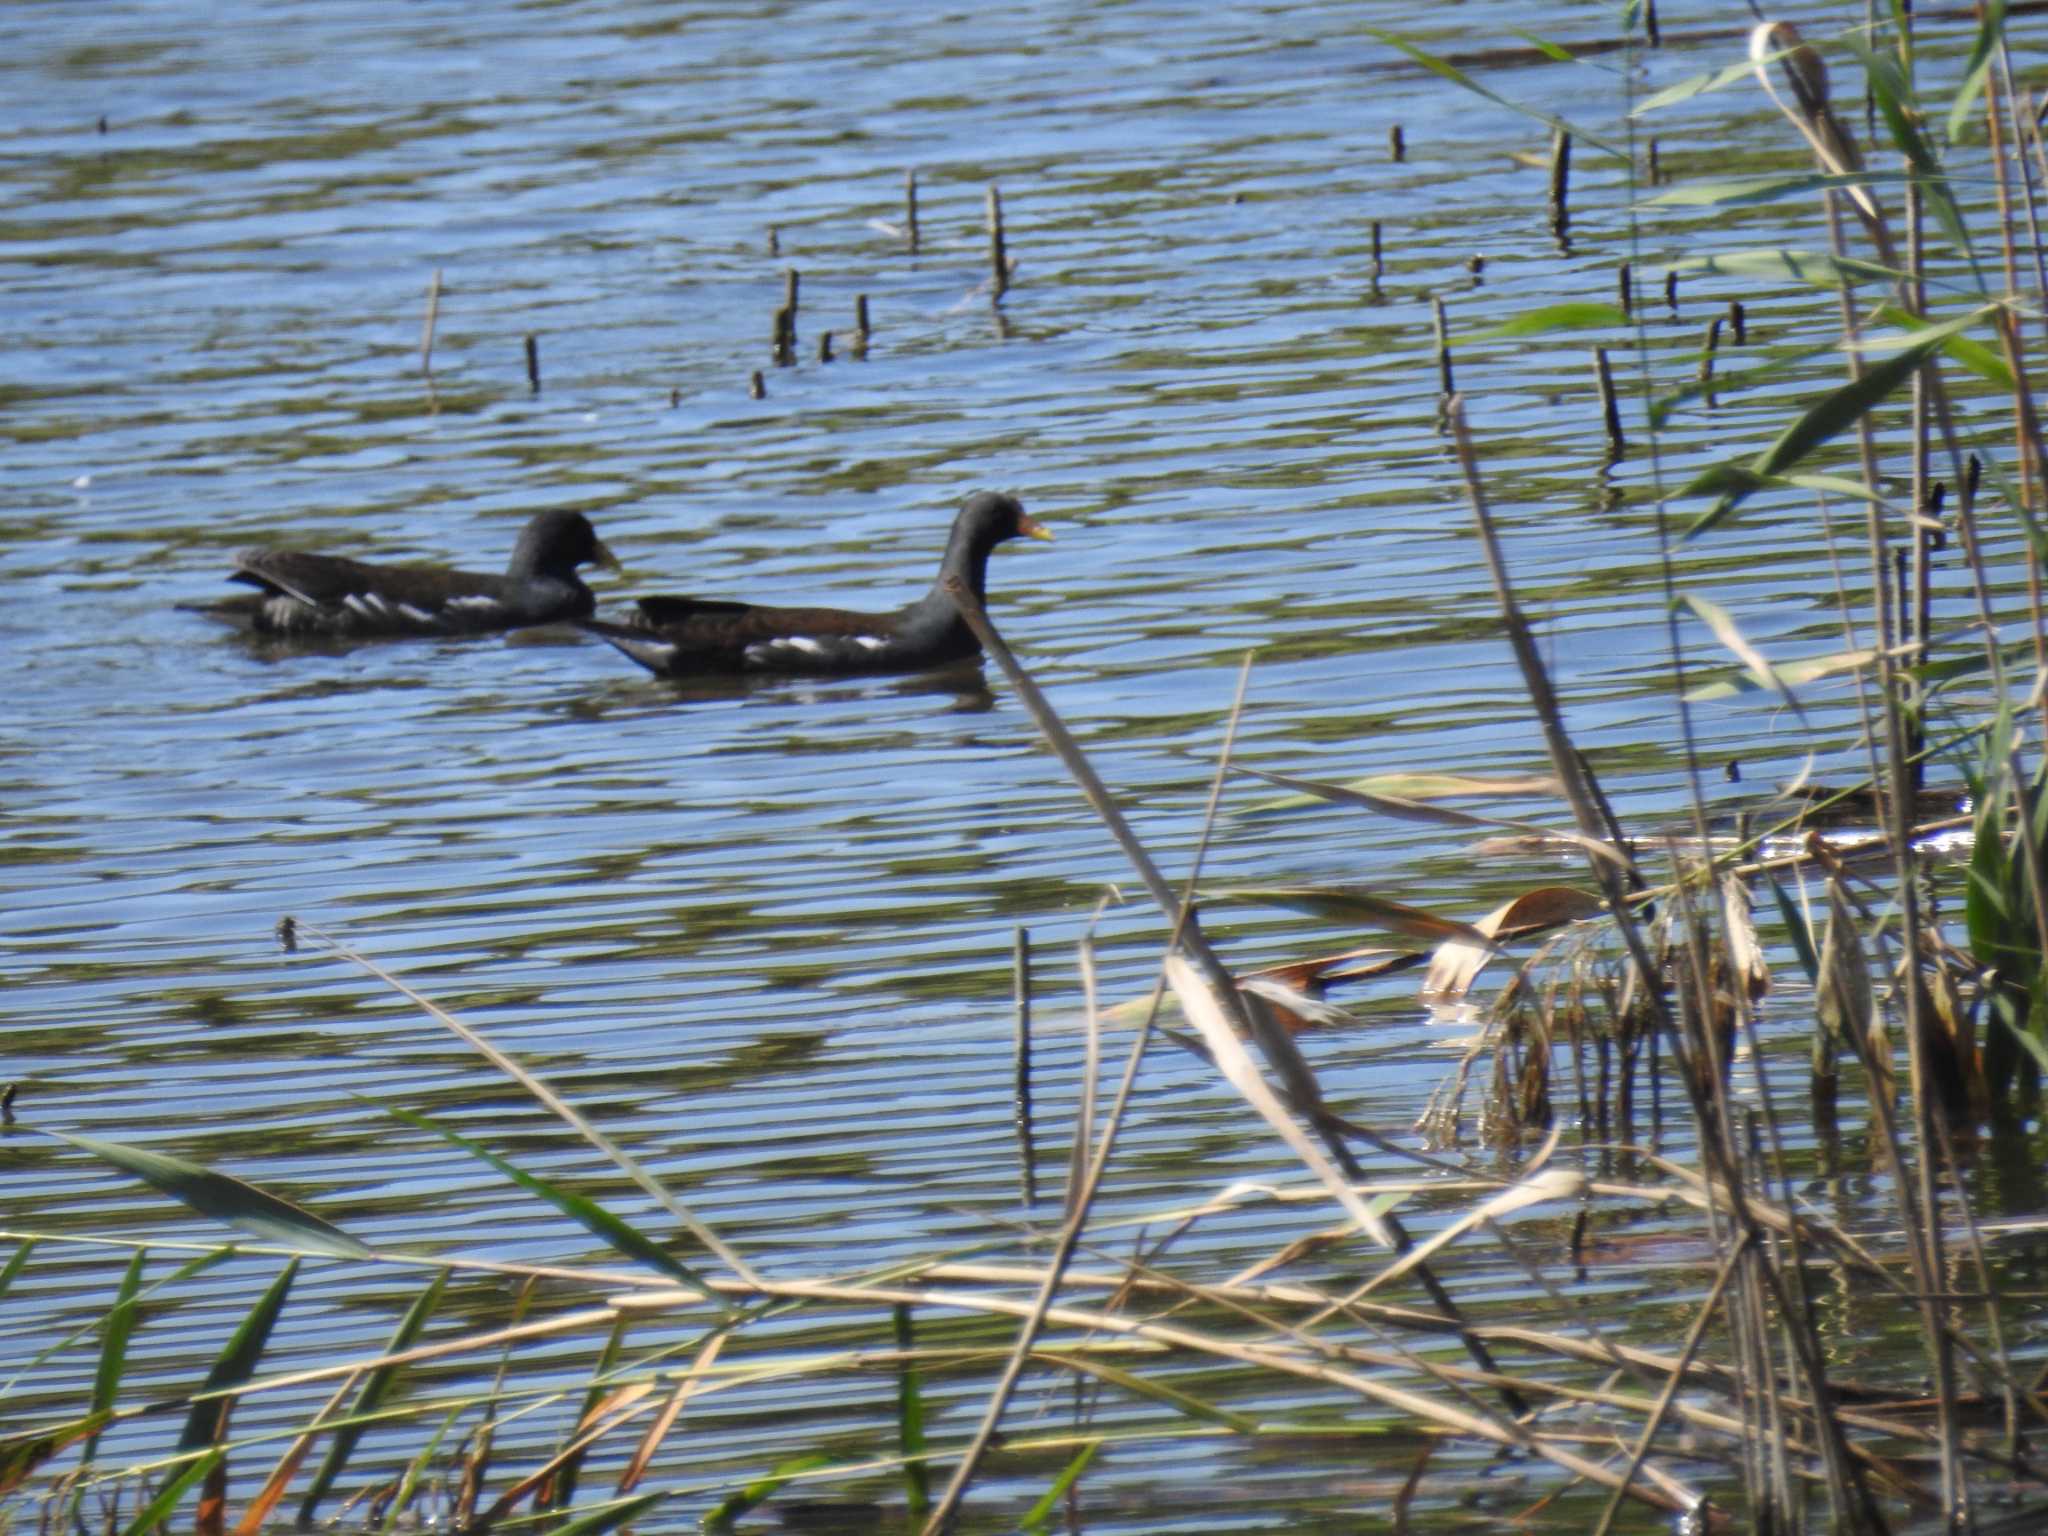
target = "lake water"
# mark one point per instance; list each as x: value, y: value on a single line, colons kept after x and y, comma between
x: 763, y: 936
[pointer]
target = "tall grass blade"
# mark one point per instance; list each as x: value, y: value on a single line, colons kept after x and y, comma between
x: 1691, y: 86
x: 1172, y: 1397
x: 1818, y: 269
x: 115, y: 1331
x: 1417, y: 786
x: 608, y: 1517
x: 585, y: 1212
x: 1964, y: 351
x: 910, y: 1441
x: 1585, y: 316
x: 16, y: 1265
x: 158, y: 1510
x: 207, y: 1422
x: 1729, y: 633
x: 547, y: 1097
x: 193, y: 1266
x: 730, y: 1509
x: 1893, y: 94
x: 1990, y: 27
x: 1042, y: 1512
x: 225, y: 1199
x: 1443, y: 816
x: 1458, y: 77
x: 1754, y: 191
x: 1538, y: 1189
x: 209, y: 1515
x: 256, y: 1516
x: 417, y: 1470
x: 1354, y: 906
x: 1796, y: 928
x: 560, y: 1492
x: 1835, y: 412
x: 376, y: 1388
x: 1812, y: 669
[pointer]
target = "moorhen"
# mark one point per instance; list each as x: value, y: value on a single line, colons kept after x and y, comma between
x: 306, y: 594
x: 688, y: 636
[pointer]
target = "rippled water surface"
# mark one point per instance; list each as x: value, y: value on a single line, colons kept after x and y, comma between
x: 763, y: 935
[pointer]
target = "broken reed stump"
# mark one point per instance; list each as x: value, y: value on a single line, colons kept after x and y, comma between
x: 1443, y: 348
x: 757, y: 387
x: 1560, y: 182
x: 1738, y: 328
x: 1378, y: 266
x: 784, y: 346
x: 1625, y: 279
x: 532, y: 363
x: 1671, y: 291
x: 790, y: 281
x: 1610, y: 406
x: 427, y: 327
x: 998, y: 255
x: 774, y: 241
x: 824, y: 346
x: 1656, y: 171
x: 1476, y: 265
x: 1397, y: 143
x: 1650, y: 24
x: 910, y: 210
x: 860, y: 325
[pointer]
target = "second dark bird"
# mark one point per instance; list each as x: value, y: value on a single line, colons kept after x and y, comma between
x: 689, y: 637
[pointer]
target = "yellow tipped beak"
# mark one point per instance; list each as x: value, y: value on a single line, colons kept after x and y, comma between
x: 1032, y: 528
x: 602, y: 557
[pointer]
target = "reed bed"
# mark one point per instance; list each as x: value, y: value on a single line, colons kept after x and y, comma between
x: 1639, y: 983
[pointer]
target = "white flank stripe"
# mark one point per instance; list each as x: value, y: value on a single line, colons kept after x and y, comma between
x: 475, y: 600
x: 368, y: 604
x: 872, y: 643
x: 805, y: 644
x: 417, y: 615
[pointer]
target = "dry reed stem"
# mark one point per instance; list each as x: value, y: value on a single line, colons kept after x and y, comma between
x: 1286, y: 1362
x: 1091, y: 1067
x: 657, y: 1431
x: 1184, y: 931
x: 257, y: 1515
x: 1235, y: 1063
x: 1700, y: 1082
x: 650, y: 1301
x: 1245, y: 1015
x: 618, y: 1408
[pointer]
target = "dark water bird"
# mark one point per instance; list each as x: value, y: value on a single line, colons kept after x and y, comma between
x: 688, y: 636
x: 298, y: 593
